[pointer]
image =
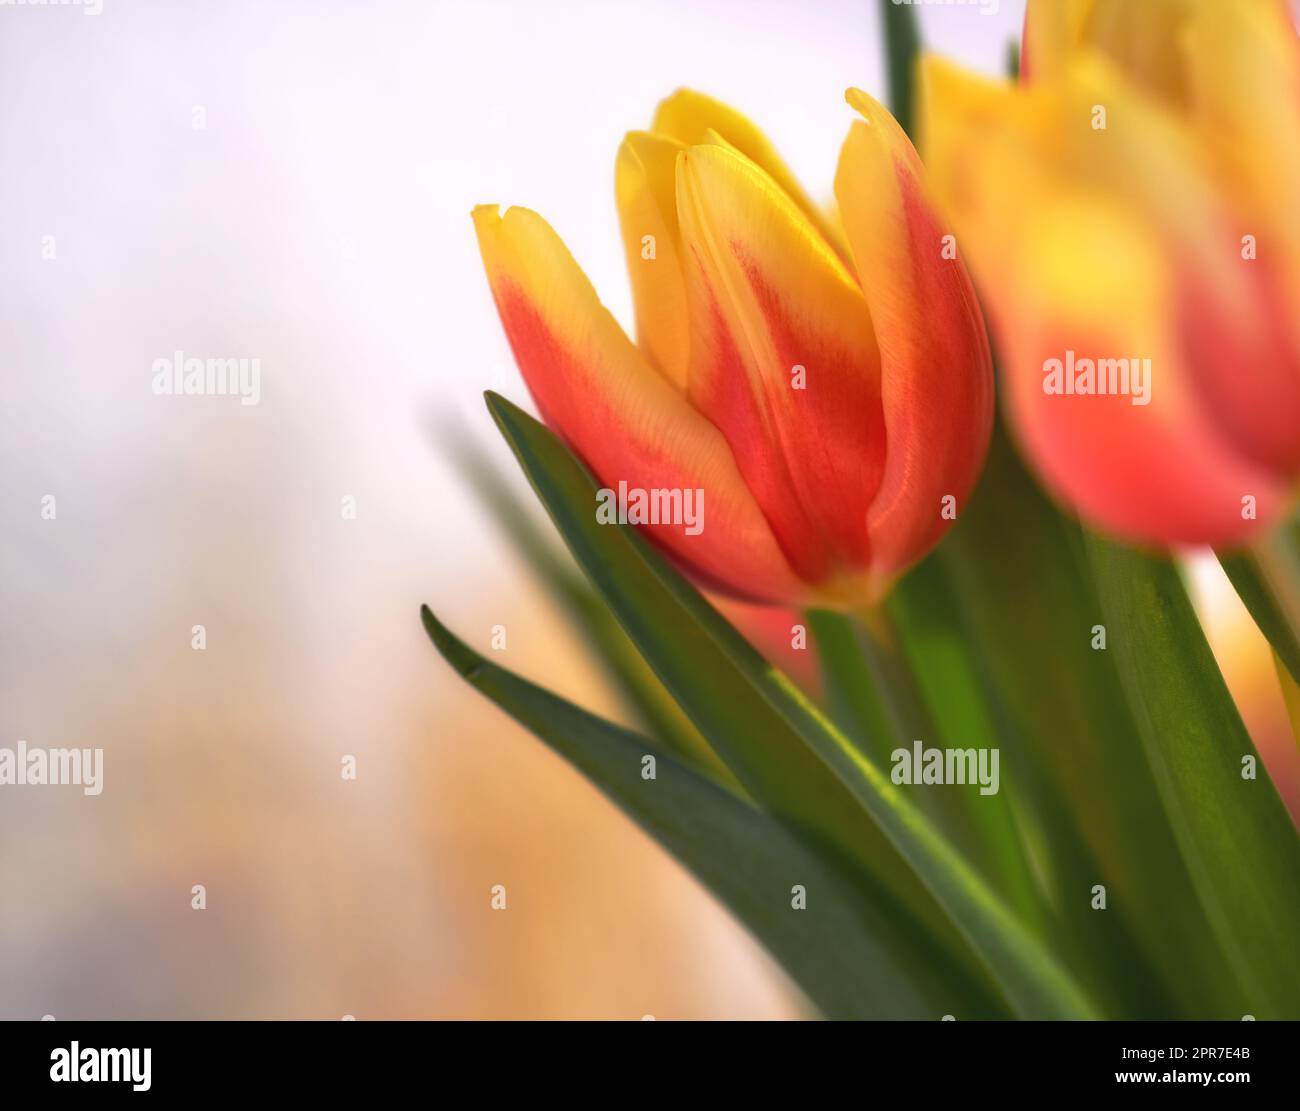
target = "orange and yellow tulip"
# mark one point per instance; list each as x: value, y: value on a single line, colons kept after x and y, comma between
x: 1134, y: 198
x: 825, y: 381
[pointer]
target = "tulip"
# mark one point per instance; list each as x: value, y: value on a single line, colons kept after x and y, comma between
x: 1133, y: 198
x: 825, y: 381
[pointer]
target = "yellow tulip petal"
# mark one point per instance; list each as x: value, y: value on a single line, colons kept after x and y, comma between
x: 1053, y: 30
x: 1140, y: 37
x: 1245, y: 102
x: 1143, y: 41
x: 936, y: 371
x: 1244, y: 62
x: 645, y: 188
x: 692, y: 118
x: 783, y: 358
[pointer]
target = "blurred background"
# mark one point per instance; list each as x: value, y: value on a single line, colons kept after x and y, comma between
x: 292, y: 182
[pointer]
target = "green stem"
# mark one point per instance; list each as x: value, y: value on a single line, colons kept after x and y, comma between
x: 880, y: 643
x: 902, y: 44
x: 853, y: 694
x: 920, y: 664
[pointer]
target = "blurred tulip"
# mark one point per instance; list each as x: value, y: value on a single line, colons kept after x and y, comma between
x: 826, y: 384
x: 1134, y: 199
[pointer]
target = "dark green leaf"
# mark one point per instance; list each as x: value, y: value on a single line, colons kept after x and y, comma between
x: 1073, y: 761
x: 942, y: 665
x: 1242, y: 850
x: 902, y: 45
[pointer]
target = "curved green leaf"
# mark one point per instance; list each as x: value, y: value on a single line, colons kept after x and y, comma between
x: 1242, y: 850
x: 852, y: 960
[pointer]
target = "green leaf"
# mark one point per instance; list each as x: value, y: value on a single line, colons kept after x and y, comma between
x: 1024, y: 598
x: 1267, y: 578
x: 787, y: 755
x: 853, y: 685
x: 942, y: 663
x: 902, y: 675
x: 850, y: 959
x: 1238, y: 840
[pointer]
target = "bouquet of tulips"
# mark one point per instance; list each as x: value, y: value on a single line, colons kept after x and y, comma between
x: 1018, y: 786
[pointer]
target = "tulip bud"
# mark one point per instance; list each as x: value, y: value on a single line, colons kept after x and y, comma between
x: 826, y: 389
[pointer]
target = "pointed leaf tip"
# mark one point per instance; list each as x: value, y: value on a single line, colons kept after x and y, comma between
x: 452, y: 649
x: 504, y: 412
